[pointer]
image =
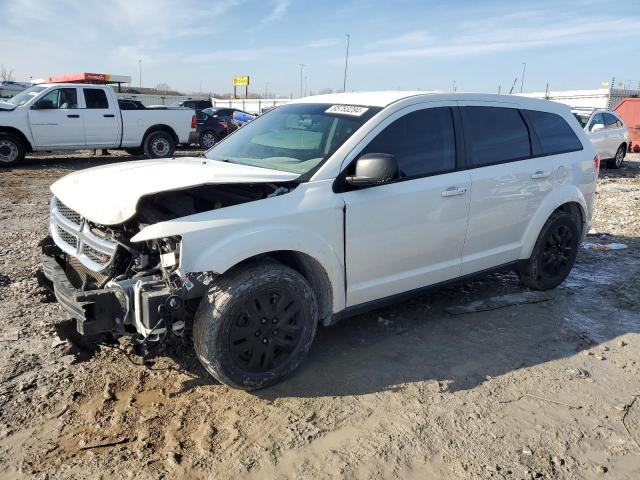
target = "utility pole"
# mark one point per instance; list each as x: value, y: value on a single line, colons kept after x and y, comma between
x: 140, y: 72
x: 524, y: 68
x: 305, y: 85
x: 454, y: 87
x: 301, y: 69
x: 266, y: 90
x: 346, y: 64
x: 499, y: 89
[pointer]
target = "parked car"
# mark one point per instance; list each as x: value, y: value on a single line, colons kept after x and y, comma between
x: 326, y: 207
x: 70, y: 117
x: 209, y: 130
x: 607, y: 132
x: 193, y: 104
x: 232, y: 116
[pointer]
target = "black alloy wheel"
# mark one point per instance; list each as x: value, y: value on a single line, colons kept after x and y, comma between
x: 266, y: 332
x: 557, y: 251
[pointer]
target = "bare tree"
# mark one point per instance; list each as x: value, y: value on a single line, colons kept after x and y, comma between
x: 6, y: 75
x: 163, y: 87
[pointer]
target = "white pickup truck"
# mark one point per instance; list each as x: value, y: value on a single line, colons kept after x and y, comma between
x: 75, y: 116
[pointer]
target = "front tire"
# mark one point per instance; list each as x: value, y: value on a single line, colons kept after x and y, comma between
x: 256, y: 325
x: 159, y: 144
x: 616, y: 162
x: 12, y: 150
x: 554, y: 253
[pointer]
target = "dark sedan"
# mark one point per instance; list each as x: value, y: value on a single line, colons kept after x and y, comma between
x: 209, y: 129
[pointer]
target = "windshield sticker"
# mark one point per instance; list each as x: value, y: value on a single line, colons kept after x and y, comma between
x: 351, y: 110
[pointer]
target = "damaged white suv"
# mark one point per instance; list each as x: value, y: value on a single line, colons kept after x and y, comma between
x: 316, y: 210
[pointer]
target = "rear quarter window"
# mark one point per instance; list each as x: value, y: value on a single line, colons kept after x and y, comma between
x: 553, y: 132
x: 495, y: 135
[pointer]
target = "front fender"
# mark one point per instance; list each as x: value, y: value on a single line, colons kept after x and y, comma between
x: 199, y: 254
x: 560, y: 195
x: 308, y: 220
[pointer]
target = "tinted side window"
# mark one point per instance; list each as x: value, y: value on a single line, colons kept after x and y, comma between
x: 95, y: 98
x: 494, y: 135
x: 423, y: 142
x: 610, y: 121
x: 553, y: 132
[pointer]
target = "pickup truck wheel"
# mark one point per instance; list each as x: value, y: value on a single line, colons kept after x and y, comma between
x: 256, y: 325
x: 159, y: 145
x: 619, y: 158
x: 12, y: 150
x: 207, y: 139
x: 554, y: 253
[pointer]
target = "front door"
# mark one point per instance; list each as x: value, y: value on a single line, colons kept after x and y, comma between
x: 101, y: 120
x: 598, y: 135
x: 409, y: 234
x: 56, y: 120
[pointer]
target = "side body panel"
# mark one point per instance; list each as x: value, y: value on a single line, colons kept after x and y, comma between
x: 136, y: 122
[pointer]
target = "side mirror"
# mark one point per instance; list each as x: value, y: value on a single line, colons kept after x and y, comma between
x: 44, y: 105
x: 596, y: 127
x: 374, y: 169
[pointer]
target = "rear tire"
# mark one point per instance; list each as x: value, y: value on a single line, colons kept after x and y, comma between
x: 159, y: 144
x: 554, y: 253
x: 256, y: 325
x: 208, y: 139
x: 12, y: 150
x: 616, y: 162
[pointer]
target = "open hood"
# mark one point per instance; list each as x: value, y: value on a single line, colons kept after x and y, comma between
x: 7, y: 106
x: 108, y: 195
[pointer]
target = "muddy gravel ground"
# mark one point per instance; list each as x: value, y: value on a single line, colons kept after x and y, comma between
x: 536, y: 390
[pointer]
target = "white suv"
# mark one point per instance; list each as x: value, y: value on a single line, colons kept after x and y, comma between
x: 319, y: 209
x: 607, y: 132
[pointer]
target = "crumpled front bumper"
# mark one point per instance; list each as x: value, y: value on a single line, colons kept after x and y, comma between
x: 95, y: 311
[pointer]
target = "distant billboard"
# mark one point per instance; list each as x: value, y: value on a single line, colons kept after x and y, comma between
x: 241, y: 81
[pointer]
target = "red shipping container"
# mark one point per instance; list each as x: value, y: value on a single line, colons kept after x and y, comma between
x: 629, y: 110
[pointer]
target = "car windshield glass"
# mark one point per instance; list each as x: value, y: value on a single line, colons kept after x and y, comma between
x: 24, y: 96
x: 292, y: 138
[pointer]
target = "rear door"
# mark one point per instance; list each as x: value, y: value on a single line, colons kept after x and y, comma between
x: 60, y: 124
x: 409, y: 234
x: 507, y: 186
x: 101, y: 119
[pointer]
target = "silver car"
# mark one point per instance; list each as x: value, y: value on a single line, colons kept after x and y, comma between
x: 607, y: 132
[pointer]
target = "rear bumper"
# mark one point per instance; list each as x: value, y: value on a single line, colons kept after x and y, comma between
x: 95, y: 311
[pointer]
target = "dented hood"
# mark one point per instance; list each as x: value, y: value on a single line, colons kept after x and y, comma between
x: 109, y: 194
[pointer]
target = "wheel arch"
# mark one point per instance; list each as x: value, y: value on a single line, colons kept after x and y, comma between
x: 18, y: 133
x: 160, y: 128
x: 567, y: 198
x: 307, y: 266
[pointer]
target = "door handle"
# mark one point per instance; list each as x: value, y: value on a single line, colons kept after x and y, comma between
x: 108, y: 115
x: 73, y: 115
x: 452, y: 191
x: 540, y: 174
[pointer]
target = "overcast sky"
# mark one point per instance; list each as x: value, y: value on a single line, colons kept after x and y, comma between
x: 402, y: 44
